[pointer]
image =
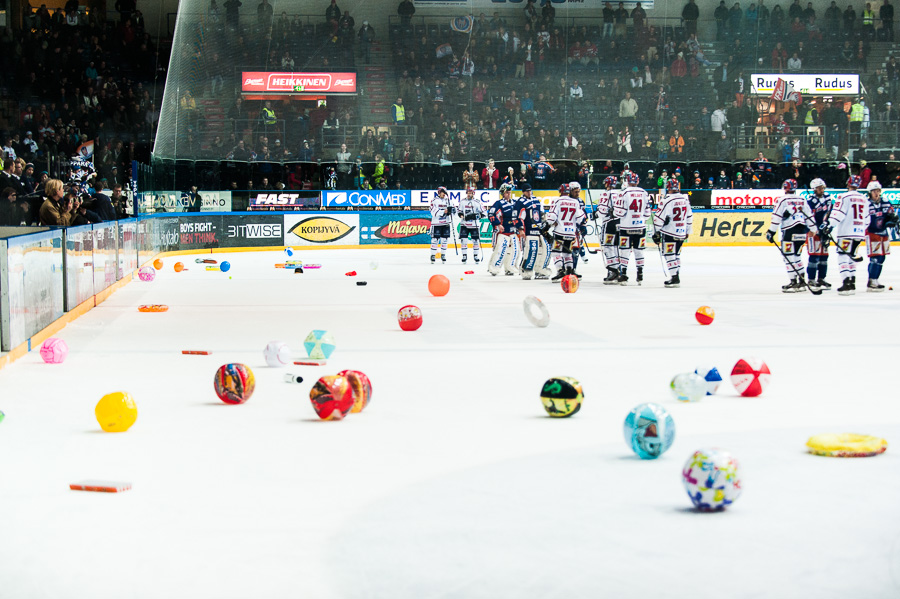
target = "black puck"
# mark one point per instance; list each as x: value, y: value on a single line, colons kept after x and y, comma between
x: 298, y: 271
x: 361, y: 283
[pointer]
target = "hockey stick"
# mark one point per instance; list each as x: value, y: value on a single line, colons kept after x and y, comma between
x: 593, y: 213
x: 453, y: 232
x: 796, y: 272
x: 659, y: 249
x: 830, y: 239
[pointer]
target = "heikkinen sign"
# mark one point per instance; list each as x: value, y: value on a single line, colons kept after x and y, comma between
x: 837, y: 84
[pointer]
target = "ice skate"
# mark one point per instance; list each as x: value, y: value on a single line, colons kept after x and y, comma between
x: 874, y: 286
x: 846, y: 288
x: 674, y: 282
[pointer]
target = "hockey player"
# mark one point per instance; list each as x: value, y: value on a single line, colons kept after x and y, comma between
x: 563, y: 220
x: 820, y: 204
x: 878, y: 241
x: 530, y: 214
x: 441, y: 211
x: 578, y: 247
x: 470, y: 213
x: 609, y: 228
x: 673, y: 223
x: 633, y: 212
x: 503, y: 217
x: 793, y: 217
x: 849, y: 220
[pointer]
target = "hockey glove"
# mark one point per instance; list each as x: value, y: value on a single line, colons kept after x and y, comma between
x: 824, y: 231
x: 657, y: 238
x: 892, y: 220
x: 594, y: 215
x: 770, y: 236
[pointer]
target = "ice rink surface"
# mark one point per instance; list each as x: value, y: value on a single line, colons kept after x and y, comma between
x: 454, y: 482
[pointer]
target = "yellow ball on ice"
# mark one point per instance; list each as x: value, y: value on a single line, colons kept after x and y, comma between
x: 116, y: 412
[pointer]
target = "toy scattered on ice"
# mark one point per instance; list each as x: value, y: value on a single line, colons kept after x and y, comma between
x: 750, y: 377
x: 373, y: 265
x: 705, y: 315
x: 116, y: 412
x: 277, y: 354
x: 712, y: 479
x: 711, y: 375
x: 438, y: 285
x: 688, y: 386
x: 331, y: 397
x: 288, y: 252
x: 409, y: 317
x: 649, y: 430
x: 225, y: 266
x: 54, y: 351
x: 846, y: 445
x: 561, y: 396
x: 292, y: 378
x: 153, y: 308
x: 319, y: 344
x: 360, y: 387
x: 234, y: 383
x: 147, y: 274
x: 178, y: 267
x: 569, y: 283
x: 536, y: 312
x: 158, y: 264
x: 101, y: 486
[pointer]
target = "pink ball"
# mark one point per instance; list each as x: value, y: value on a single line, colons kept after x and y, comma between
x: 54, y: 351
x: 147, y: 273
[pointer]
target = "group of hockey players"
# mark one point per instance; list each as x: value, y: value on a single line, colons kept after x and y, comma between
x: 845, y: 221
x: 527, y: 239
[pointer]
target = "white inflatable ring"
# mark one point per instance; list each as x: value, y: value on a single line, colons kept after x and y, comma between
x: 532, y: 305
x: 846, y: 445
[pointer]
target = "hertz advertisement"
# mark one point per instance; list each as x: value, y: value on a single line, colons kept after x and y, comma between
x: 729, y: 228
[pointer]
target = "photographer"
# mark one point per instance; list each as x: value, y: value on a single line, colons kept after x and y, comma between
x: 58, y: 207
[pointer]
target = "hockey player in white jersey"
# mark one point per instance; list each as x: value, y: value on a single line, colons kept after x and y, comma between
x: 441, y: 210
x: 535, y: 249
x: 847, y: 225
x: 633, y: 212
x: 673, y: 222
x: 794, y: 219
x: 560, y: 230
x: 471, y: 211
x: 609, y: 228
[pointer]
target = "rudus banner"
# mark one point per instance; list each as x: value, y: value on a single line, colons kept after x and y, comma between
x: 298, y: 83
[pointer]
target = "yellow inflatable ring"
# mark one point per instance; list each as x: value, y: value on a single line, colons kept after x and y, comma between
x: 846, y: 445
x: 153, y: 308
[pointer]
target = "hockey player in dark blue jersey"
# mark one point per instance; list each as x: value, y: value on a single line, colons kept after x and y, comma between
x: 535, y: 249
x: 878, y: 240
x: 820, y: 204
x: 506, y: 246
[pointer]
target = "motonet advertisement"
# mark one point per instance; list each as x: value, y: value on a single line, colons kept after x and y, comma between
x: 298, y: 83
x: 744, y: 198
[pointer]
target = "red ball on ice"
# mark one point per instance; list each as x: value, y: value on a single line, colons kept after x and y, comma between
x: 750, y: 377
x: 410, y: 318
x: 439, y: 285
x: 332, y: 397
x: 569, y: 283
x: 705, y: 315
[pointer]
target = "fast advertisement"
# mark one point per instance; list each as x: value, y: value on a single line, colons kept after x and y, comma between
x: 256, y: 230
x: 366, y: 199
x: 395, y: 227
x: 331, y: 228
x: 297, y: 83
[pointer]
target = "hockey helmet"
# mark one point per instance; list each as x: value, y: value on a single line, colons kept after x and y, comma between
x: 469, y: 190
x: 789, y: 185
x: 873, y: 185
x: 564, y: 189
x: 525, y: 186
x: 854, y: 181
x: 672, y: 185
x: 816, y: 183
x: 633, y: 179
x: 610, y: 182
x: 441, y: 189
x: 574, y: 188
x: 505, y: 187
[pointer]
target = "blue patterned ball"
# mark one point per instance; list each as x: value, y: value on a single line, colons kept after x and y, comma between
x: 649, y: 430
